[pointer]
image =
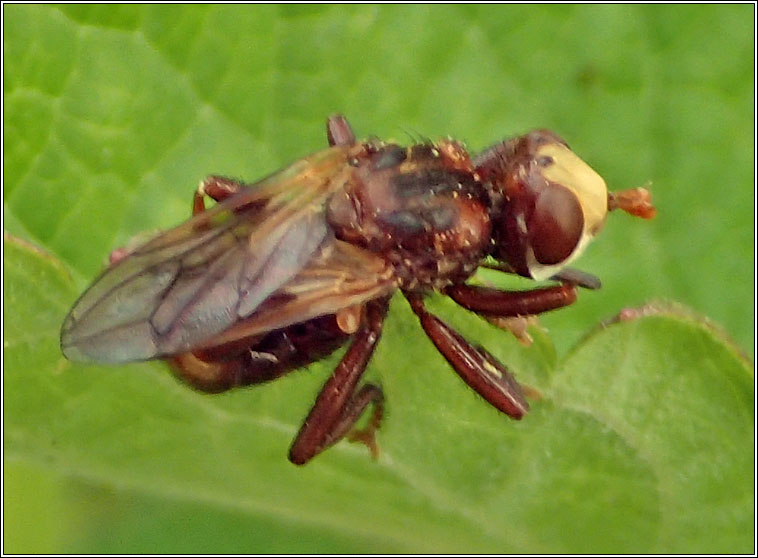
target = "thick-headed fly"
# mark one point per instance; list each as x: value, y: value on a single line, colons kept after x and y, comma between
x: 280, y: 273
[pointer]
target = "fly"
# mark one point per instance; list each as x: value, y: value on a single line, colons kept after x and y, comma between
x: 280, y: 273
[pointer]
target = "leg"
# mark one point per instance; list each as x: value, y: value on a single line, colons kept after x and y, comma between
x: 338, y: 131
x: 512, y: 311
x: 494, y: 302
x: 478, y: 368
x: 218, y: 188
x: 337, y: 408
x: 369, y: 393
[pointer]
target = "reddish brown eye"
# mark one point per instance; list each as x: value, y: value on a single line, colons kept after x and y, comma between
x: 556, y: 225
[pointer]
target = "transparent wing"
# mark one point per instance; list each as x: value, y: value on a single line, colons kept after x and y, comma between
x: 194, y: 281
x: 339, y: 275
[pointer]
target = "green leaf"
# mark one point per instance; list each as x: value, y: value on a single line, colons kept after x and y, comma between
x: 645, y: 424
x: 643, y: 440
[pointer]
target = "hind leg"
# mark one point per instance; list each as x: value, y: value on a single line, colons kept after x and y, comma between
x: 218, y: 188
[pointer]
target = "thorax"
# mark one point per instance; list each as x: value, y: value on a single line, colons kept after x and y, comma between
x: 422, y: 208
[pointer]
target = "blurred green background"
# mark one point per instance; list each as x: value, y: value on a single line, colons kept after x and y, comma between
x: 114, y: 113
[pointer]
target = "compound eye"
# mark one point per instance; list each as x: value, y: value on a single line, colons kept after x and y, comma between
x: 556, y: 225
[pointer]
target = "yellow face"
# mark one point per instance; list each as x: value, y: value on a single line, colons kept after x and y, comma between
x: 584, y: 189
x: 576, y: 175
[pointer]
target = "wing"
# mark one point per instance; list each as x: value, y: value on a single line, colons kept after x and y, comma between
x: 338, y: 276
x: 194, y: 281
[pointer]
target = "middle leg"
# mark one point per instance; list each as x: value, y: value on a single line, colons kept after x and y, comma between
x: 513, y: 311
x: 496, y: 303
x: 478, y: 368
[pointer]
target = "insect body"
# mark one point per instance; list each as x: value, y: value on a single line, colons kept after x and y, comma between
x: 281, y: 273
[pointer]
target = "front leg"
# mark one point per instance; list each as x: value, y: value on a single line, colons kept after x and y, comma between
x: 478, y: 368
x: 513, y: 311
x: 496, y: 303
x: 338, y: 407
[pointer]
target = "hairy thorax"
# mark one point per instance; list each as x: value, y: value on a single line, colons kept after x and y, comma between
x: 422, y: 208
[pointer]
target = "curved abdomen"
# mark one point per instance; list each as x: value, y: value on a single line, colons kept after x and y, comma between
x: 265, y: 358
